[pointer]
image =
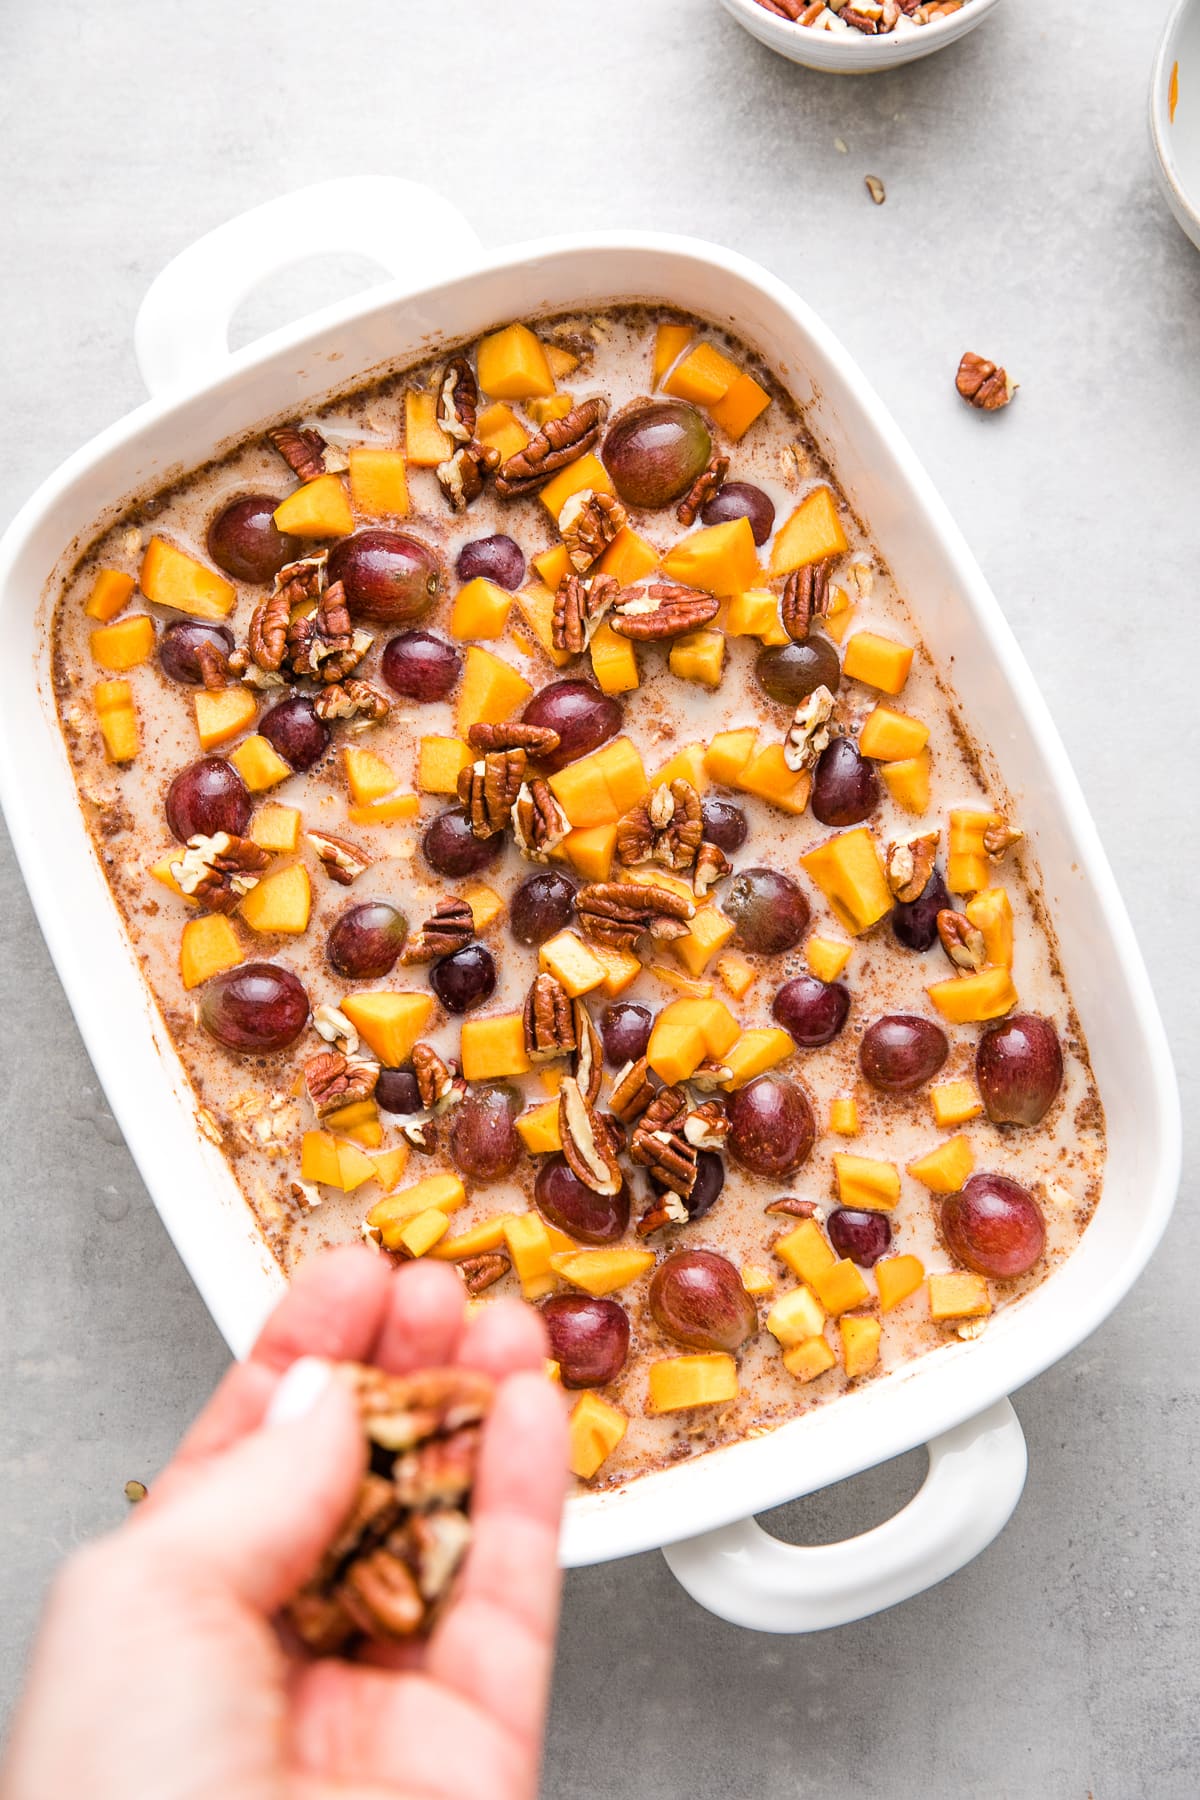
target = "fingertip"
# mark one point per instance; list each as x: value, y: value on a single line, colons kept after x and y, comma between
x: 503, y: 1337
x: 423, y: 1319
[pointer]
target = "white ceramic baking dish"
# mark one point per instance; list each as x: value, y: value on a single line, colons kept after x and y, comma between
x: 446, y: 286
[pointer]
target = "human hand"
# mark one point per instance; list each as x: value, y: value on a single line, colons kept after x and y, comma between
x: 159, y: 1672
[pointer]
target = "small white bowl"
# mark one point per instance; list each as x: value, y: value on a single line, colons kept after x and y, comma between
x: 1175, y: 115
x: 850, y: 52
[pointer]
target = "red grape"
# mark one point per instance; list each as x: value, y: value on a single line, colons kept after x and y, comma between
x: 901, y: 1051
x: 1019, y: 1069
x: 589, y: 1339
x: 206, y: 797
x: 994, y: 1226
x: 451, y: 848
x: 741, y: 500
x: 914, y: 922
x: 484, y: 1145
x: 862, y: 1236
x: 389, y: 576
x: 574, y: 1208
x: 583, y: 717
x: 812, y: 1011
x: 366, y: 939
x: 625, y: 1032
x: 496, y: 559
x: 255, y: 1007
x: 654, y: 451
x: 396, y: 1091
x: 293, y: 728
x: 541, y: 907
x: 420, y: 665
x: 706, y: 1189
x: 179, y: 643
x: 724, y: 824
x: 845, y: 785
x: 697, y: 1298
x: 771, y: 1126
x: 245, y: 542
x: 789, y: 673
x: 770, y: 912
x: 465, y: 979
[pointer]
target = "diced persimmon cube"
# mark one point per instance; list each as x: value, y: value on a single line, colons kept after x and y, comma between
x: 586, y: 474
x: 557, y: 406
x: 443, y: 1193
x: 891, y: 736
x: 170, y: 577
x: 594, y: 1429
x: 535, y: 606
x: 360, y: 1121
x: 678, y: 1382
x: 475, y: 1241
x: 500, y: 429
x: 125, y: 644
x: 755, y: 613
x: 959, y: 1294
x: 538, y: 1130
x: 280, y: 902
x: 333, y: 1161
x: 276, y: 828
x: 967, y: 999
x: 767, y: 775
x: 812, y: 534
x: 897, y: 1277
x: 440, y: 762
x: 117, y: 720
x: 629, y: 558
x: 795, y: 1316
x: 741, y: 403
x: 485, y: 904
x: 425, y: 443
x: 908, y: 782
x: 567, y: 957
x: 698, y: 656
x: 702, y: 377
x: 614, y: 661
x: 954, y: 1102
x: 561, y: 362
x: 944, y: 1170
x: 207, y: 946
x: 389, y: 809
x: 624, y: 772
x: 530, y: 1248
x: 839, y: 619
x: 318, y: 509
x: 161, y: 871
x: 806, y: 1251
x: 378, y: 482
x: 111, y: 590
x: 621, y: 968
x: 843, y: 1115
x: 686, y: 765
x: 728, y: 754
x: 589, y: 850
x: 840, y: 1288
x: 670, y: 342
x: 389, y: 1023
x: 756, y: 1280
x: 865, y: 1182
x: 848, y: 871
x: 553, y: 566
x: 658, y: 878
x: 491, y: 690
x: 755, y: 1051
x: 583, y: 793
x: 808, y: 1360
x: 600, y: 1272
x: 367, y: 776
x: 480, y: 610
x: 827, y: 957
x: 991, y: 913
x: 494, y: 1047
x: 879, y: 661
x: 419, y: 1234
x: 736, y: 973
x: 694, y: 986
x: 390, y: 1165
x: 223, y: 714
x: 708, y: 932
x: 721, y: 559
x: 259, y: 763
x: 676, y: 1048
x: 512, y: 364
x: 860, y: 1345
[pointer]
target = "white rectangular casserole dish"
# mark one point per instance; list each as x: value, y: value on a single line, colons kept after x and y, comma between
x: 205, y: 399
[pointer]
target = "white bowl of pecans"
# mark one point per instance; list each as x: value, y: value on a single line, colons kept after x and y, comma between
x: 857, y: 37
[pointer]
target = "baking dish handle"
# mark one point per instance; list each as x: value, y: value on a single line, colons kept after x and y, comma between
x: 976, y: 1473
x: 182, y: 331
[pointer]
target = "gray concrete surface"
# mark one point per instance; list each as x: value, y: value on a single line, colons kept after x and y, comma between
x: 1021, y: 220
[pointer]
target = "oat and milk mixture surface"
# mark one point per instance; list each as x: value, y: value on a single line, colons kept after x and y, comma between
x: 701, y: 999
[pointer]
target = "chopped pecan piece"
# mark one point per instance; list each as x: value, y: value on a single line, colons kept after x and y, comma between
x: 450, y: 927
x: 461, y: 476
x: 341, y: 861
x: 482, y: 1272
x: 302, y: 449
x: 267, y: 637
x: 421, y: 1135
x: 214, y: 666
x: 586, y: 1143
x: 671, y: 1160
x: 805, y: 598
x: 587, y: 1063
x: 579, y: 607
x: 549, y: 1020
x: 710, y: 1076
x: 335, y: 1080
x: 632, y: 1091
x: 559, y: 442
x: 667, y: 1208
x: 981, y: 383
x: 712, y: 865
x: 619, y: 914
x: 488, y: 789
x: 810, y: 730
x: 219, y: 871
x: 353, y: 699
x: 707, y: 1126
x: 324, y: 644
x: 962, y: 941
x: 791, y: 1208
x: 999, y: 839
x: 706, y: 486
x: 908, y: 864
x: 661, y: 611
x: 666, y: 827
x: 589, y: 522
x: 538, y: 821
x: 435, y: 1078
x: 458, y: 400
x: 535, y: 740
x: 861, y: 21
x: 666, y: 1112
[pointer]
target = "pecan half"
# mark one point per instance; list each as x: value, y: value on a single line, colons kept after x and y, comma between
x: 707, y: 1125
x: 810, y: 730
x: 549, y: 1020
x: 214, y: 666
x: 670, y: 1159
x: 266, y: 640
x: 219, y: 871
x: 352, y: 699
x: 379, y: 1592
x: 706, y: 486
x: 302, y: 449
x: 908, y: 864
x: 334, y: 1080
x: 587, y: 1063
x: 791, y: 1208
x: 962, y: 941
x: 450, y: 927
x: 661, y: 611
x: 535, y: 740
x: 805, y: 597
x: 489, y: 788
x: 323, y: 644
x: 712, y: 865
x: 621, y: 913
x: 585, y: 1141
x: 458, y: 400
x: 999, y: 839
x: 462, y: 475
x: 559, y: 442
x: 981, y: 383
x: 482, y: 1272
x: 341, y: 861
x: 589, y: 522
x: 632, y: 1091
x: 435, y: 1078
x: 579, y: 607
x: 666, y: 1112
x: 666, y: 827
x: 538, y: 821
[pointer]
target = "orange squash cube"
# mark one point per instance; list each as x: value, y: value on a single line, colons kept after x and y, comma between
x: 556, y: 407
x: 991, y: 913
x: 111, y: 590
x: 494, y: 1047
x: 721, y: 559
x: 207, y: 946
x: 629, y: 558
x: 491, y: 690
x: 378, y: 482
x: 499, y: 427
x: 891, y: 736
x: 594, y: 1430
x: 826, y: 957
x: 954, y: 1102
x: 698, y: 656
x: 806, y: 1251
x: 728, y: 754
x: 280, y: 902
x: 586, y: 474
x: 813, y: 533
x: 756, y: 1051
x: 967, y: 868
x: 318, y: 509
x: 390, y: 1165
x: 600, y: 1272
x: 389, y: 809
x: 170, y: 577
x: 553, y: 566
x: 736, y: 973
x: 334, y: 1162
x: 908, y: 782
x: 259, y: 763
x: 559, y: 361
x: 512, y: 364
x: 968, y: 999
x: 944, y: 1170
x: 480, y: 610
x: 621, y: 968
x: 755, y: 613
x: 223, y: 714
x: 795, y: 1317
x: 530, y: 1247
x: 440, y: 762
x: 840, y: 1288
x: 360, y: 1121
x: 367, y: 776
x: 679, y: 1382
x: 849, y: 873
x: 879, y: 661
x: 670, y: 342
x: 614, y: 661
x: 897, y: 1277
x: 485, y: 904
x: 767, y: 775
x: 686, y: 765
x: 958, y: 1295
x: 420, y: 1234
x: 860, y: 1345
x: 475, y: 1241
x: 276, y: 828
x: 600, y: 788
x: 702, y: 377
x: 687, y: 1033
x: 535, y: 605
x: 741, y: 403
x: 843, y: 1115
x: 709, y: 932
x: 808, y: 1360
x: 125, y: 644
x: 537, y: 1129
x: 865, y: 1182
x: 570, y: 960
x: 590, y: 850
x: 389, y: 1023
x: 425, y: 443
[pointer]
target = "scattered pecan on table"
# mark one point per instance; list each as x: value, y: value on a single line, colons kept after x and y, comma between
x: 983, y: 384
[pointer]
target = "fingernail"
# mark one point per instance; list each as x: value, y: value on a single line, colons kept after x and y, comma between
x: 299, y: 1390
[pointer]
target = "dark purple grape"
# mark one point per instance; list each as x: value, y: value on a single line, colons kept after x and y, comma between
x: 1019, y: 1069
x: 724, y: 824
x: 625, y: 1032
x: 484, y: 1144
x: 583, y: 717
x: 771, y: 1126
x: 742, y: 500
x: 496, y: 559
x: 293, y: 728
x: 789, y: 673
x: 465, y: 979
x: 389, y: 576
x: 396, y: 1091
x: 366, y: 939
x: 257, y: 1007
x: 697, y: 1298
x: 706, y: 1189
x: 541, y: 907
x: 420, y: 665
x: 654, y: 451
x: 206, y: 797
x: 902, y: 1051
x: 812, y: 1011
x: 245, y: 541
x: 862, y: 1236
x: 451, y: 848
x: 589, y: 1339
x: 845, y: 785
x: 178, y: 646
x: 770, y: 912
x: 914, y: 922
x: 574, y: 1208
x: 994, y: 1226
